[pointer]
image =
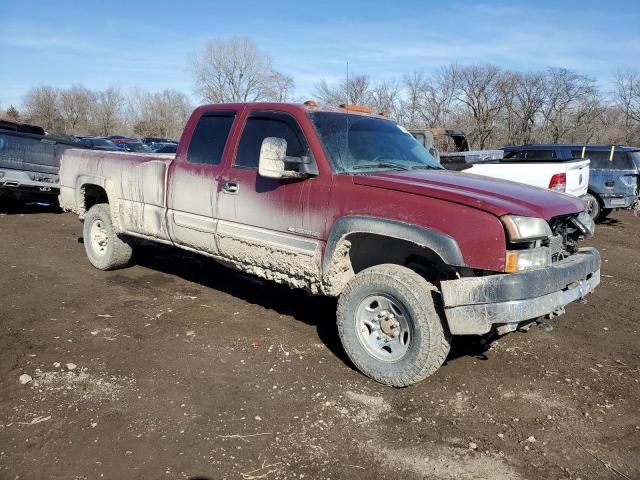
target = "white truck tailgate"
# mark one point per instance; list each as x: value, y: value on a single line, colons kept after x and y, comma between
x: 577, y: 177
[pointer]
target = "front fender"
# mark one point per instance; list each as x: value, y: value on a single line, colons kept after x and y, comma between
x: 440, y: 243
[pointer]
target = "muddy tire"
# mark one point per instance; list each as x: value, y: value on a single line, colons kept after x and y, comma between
x: 104, y: 248
x: 392, y: 326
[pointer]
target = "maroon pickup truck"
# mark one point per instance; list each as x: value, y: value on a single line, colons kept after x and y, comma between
x: 345, y: 203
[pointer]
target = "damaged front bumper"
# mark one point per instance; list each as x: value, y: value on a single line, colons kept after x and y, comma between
x: 474, y: 305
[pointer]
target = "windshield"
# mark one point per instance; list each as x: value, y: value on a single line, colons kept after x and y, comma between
x: 359, y: 144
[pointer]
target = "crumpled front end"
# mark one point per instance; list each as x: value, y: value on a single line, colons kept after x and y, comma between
x: 474, y: 305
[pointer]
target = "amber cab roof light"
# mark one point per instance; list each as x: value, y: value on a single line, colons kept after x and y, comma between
x: 310, y: 103
x: 355, y: 108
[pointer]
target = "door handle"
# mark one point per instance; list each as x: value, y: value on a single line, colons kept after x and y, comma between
x: 230, y: 187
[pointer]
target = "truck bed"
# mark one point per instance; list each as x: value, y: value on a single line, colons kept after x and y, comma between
x: 538, y: 172
x: 140, y: 187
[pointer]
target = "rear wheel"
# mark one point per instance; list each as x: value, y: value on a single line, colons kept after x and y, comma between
x: 104, y: 248
x: 392, y: 326
x: 594, y: 207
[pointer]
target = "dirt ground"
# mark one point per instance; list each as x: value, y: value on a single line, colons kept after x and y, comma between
x: 184, y: 369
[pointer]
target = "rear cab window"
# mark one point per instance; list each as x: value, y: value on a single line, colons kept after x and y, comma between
x: 530, y: 155
x: 602, y: 159
x: 210, y: 137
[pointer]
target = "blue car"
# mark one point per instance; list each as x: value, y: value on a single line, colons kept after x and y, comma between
x: 614, y: 171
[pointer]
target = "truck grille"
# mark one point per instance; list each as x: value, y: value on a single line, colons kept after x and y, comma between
x: 564, y: 241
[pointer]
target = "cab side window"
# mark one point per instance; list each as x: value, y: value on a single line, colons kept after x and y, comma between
x: 210, y: 137
x: 540, y: 154
x: 261, y: 125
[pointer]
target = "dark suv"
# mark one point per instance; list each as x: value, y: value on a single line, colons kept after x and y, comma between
x: 614, y: 171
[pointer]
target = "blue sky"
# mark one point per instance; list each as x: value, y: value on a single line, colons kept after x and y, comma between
x: 147, y: 43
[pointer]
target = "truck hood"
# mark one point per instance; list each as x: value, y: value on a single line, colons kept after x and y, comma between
x: 499, y: 197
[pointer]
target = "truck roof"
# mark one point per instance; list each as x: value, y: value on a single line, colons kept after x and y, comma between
x: 308, y: 106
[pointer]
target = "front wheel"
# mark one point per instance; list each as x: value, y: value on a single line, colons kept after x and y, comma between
x: 104, y: 248
x: 391, y: 325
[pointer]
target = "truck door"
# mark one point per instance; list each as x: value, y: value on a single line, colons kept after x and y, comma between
x: 276, y: 225
x: 192, y: 183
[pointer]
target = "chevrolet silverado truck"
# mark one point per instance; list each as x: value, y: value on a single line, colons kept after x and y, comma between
x: 344, y: 203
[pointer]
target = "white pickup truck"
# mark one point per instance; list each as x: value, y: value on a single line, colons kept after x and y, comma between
x: 570, y: 176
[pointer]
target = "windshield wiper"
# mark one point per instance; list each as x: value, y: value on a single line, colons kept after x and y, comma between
x: 379, y: 165
x: 426, y: 167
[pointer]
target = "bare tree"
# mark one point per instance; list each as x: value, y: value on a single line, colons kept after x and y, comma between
x: 492, y: 105
x: 279, y: 87
x: 235, y: 70
x: 479, y: 88
x: 12, y: 114
x: 74, y: 106
x: 161, y: 114
x: 385, y: 97
x: 438, y: 98
x: 355, y: 90
x: 41, y: 107
x: 530, y: 97
x: 626, y: 96
x: 565, y: 91
x: 415, y: 84
x: 587, y: 120
x: 108, y: 111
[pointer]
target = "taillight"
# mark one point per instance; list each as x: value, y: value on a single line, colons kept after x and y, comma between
x: 558, y: 182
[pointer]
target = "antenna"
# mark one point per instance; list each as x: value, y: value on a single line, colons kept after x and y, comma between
x: 347, y: 86
x: 346, y: 136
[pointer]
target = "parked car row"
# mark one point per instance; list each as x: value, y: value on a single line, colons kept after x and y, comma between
x: 116, y: 143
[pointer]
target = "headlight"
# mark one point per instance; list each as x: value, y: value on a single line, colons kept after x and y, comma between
x: 529, y: 259
x: 526, y: 229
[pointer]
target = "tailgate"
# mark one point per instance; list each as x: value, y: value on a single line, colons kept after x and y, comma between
x: 577, y: 177
x: 616, y: 184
